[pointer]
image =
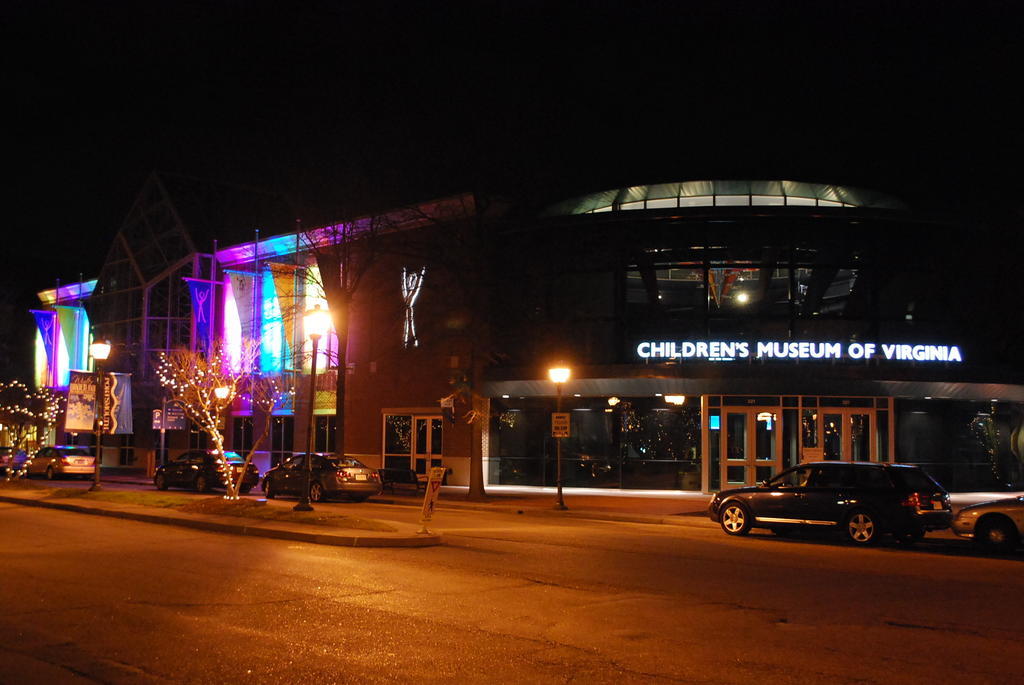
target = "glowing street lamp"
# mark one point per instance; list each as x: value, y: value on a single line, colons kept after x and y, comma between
x: 558, y: 376
x: 316, y: 322
x: 99, y: 350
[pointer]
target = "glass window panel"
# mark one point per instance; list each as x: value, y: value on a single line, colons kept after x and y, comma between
x: 732, y: 200
x: 632, y: 205
x: 882, y: 435
x: 772, y: 200
x: 397, y: 434
x: 435, y: 436
x: 860, y: 437
x: 663, y: 203
x: 715, y: 448
x: 765, y: 473
x: 800, y: 201
x: 421, y: 436
x: 809, y: 428
x: 736, y: 436
x: 832, y: 436
x: 764, y: 436
x: 697, y: 201
x: 829, y: 203
x: 735, y: 475
x: 790, y: 438
x: 606, y: 208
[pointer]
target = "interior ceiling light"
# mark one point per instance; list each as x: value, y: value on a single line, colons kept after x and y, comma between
x: 612, y: 401
x: 675, y: 399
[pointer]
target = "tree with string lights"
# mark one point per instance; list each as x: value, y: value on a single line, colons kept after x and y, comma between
x: 205, y: 385
x: 26, y: 413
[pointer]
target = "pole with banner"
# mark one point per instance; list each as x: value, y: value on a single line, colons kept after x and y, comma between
x: 430, y: 498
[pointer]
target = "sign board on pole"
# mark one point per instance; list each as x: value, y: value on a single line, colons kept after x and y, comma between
x: 560, y: 424
x: 430, y: 497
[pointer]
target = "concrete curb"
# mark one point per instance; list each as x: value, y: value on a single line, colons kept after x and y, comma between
x: 684, y: 519
x: 237, y: 529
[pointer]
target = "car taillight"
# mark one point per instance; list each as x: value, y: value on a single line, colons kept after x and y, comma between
x: 917, y: 500
x: 374, y: 476
x: 65, y: 461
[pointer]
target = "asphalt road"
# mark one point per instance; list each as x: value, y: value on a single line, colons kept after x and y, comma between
x: 512, y: 599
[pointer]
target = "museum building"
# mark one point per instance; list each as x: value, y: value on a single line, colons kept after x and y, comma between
x: 716, y: 332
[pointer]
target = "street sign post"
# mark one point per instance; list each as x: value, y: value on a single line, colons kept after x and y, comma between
x: 430, y: 498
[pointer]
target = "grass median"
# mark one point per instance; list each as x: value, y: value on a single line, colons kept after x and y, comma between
x: 216, y: 505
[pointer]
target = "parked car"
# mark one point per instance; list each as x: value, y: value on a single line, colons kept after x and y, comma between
x: 202, y: 470
x: 331, y: 476
x: 10, y: 457
x: 997, y: 526
x: 59, y: 461
x: 863, y: 500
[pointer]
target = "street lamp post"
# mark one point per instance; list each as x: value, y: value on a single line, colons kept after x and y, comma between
x: 99, y: 350
x: 558, y: 376
x: 316, y: 322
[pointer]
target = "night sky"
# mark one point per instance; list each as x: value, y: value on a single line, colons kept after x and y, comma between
x: 365, y: 104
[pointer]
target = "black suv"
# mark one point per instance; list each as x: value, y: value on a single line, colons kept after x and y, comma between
x: 863, y: 500
x: 201, y: 470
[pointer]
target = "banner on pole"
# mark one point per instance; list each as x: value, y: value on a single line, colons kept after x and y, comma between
x: 81, y: 409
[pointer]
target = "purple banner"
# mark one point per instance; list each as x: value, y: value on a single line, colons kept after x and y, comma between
x: 202, y: 312
x: 46, y: 320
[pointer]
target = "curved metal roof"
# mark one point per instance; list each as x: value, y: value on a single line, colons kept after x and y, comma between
x: 724, y: 194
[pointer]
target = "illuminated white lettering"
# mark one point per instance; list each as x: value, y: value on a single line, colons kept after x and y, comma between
x: 688, y: 349
x: 764, y: 349
x: 743, y: 349
x: 954, y: 354
x: 855, y: 350
x: 869, y: 350
x: 702, y: 349
x: 643, y: 350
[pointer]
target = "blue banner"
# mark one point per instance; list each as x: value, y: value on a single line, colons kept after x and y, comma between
x: 202, y: 312
x: 117, y: 403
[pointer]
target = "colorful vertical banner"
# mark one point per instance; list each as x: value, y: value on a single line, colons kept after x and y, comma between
x: 74, y: 332
x: 202, y: 293
x: 242, y: 287
x: 117, y: 403
x: 46, y: 321
x: 81, y: 408
x: 287, y: 301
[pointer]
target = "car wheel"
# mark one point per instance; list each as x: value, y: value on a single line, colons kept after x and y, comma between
x: 862, y: 528
x: 996, y: 535
x: 268, y: 489
x: 735, y: 519
x: 160, y: 481
x: 50, y: 474
x: 316, y: 492
x: 202, y: 485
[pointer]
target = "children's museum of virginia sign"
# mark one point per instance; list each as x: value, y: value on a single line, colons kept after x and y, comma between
x: 720, y: 350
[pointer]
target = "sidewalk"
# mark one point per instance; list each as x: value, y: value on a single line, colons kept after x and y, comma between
x: 404, y: 534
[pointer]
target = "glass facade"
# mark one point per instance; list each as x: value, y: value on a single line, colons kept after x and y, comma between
x: 640, y: 443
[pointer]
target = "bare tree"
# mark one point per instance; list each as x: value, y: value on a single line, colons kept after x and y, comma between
x: 26, y: 413
x: 205, y: 385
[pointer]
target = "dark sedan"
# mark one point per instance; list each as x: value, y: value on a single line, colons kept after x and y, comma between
x: 863, y: 500
x: 202, y: 470
x: 331, y: 476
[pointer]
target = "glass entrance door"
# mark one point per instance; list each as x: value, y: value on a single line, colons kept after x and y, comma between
x: 752, y: 445
x: 847, y: 434
x: 427, y: 442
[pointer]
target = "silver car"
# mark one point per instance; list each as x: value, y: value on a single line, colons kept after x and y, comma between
x: 996, y: 525
x: 60, y: 461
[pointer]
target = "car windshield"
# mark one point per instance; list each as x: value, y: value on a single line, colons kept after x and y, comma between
x: 916, y: 479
